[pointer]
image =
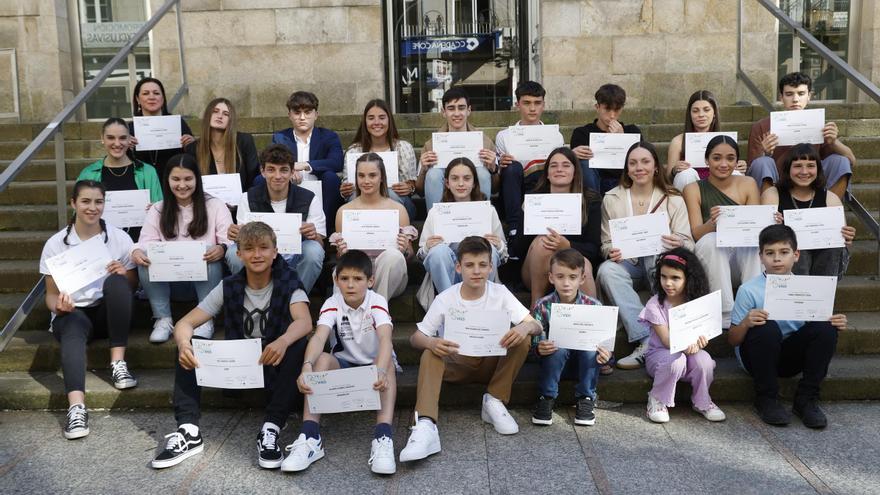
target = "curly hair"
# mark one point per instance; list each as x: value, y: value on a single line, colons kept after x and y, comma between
x: 696, y: 284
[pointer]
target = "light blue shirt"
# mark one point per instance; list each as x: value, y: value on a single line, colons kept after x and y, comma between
x: 749, y: 296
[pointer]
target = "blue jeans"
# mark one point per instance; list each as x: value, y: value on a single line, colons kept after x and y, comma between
x: 434, y: 184
x: 160, y: 293
x: 580, y: 365
x: 307, y: 265
x: 440, y: 264
x: 619, y: 282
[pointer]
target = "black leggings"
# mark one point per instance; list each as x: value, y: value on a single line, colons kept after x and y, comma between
x: 110, y: 317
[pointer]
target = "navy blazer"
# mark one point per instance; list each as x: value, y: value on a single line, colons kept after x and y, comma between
x: 325, y: 150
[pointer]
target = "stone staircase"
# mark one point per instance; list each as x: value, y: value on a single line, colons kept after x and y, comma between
x: 29, y: 367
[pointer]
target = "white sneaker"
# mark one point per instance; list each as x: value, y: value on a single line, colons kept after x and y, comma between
x: 162, y: 330
x: 713, y: 413
x: 495, y: 413
x: 382, y: 456
x: 303, y: 452
x: 205, y: 330
x: 423, y: 441
x: 657, y: 411
x: 635, y: 360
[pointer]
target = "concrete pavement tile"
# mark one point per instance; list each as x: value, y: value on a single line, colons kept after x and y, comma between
x: 446, y: 475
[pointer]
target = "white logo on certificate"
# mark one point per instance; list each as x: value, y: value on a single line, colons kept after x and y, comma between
x: 689, y: 321
x: 81, y: 265
x: 817, y: 228
x: 451, y: 145
x: 583, y: 327
x: 370, y: 229
x: 233, y: 364
x: 695, y: 144
x: 126, y: 208
x: 639, y: 235
x: 609, y: 148
x: 226, y: 187
x: 455, y: 221
x: 478, y: 333
x: 177, y: 261
x: 798, y: 126
x: 527, y: 143
x: 286, y: 227
x: 157, y: 133
x: 799, y: 297
x: 560, y: 212
x: 344, y: 390
x: 739, y: 226
x: 389, y: 160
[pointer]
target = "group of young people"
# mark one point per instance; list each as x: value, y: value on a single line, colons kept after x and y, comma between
x: 266, y: 295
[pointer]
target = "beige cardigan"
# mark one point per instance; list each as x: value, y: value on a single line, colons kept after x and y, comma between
x: 614, y: 206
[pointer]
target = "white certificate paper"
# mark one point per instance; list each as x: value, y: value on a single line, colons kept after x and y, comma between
x: 817, y: 228
x: 639, y: 235
x: 583, y: 327
x: 739, y: 226
x: 695, y: 144
x: 286, y: 227
x: 80, y: 265
x: 389, y: 159
x: 478, y: 333
x: 226, y: 187
x: 177, y: 261
x: 157, y: 133
x: 370, y: 229
x: 799, y: 297
x: 452, y: 145
x: 688, y: 321
x: 560, y: 212
x: 126, y: 208
x: 609, y: 148
x: 344, y: 390
x: 798, y: 126
x: 527, y: 143
x: 315, y: 187
x: 228, y: 363
x: 455, y: 221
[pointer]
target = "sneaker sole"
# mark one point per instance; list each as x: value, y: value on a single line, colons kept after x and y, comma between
x: 585, y: 422
x: 485, y: 418
x: 432, y: 451
x: 380, y: 471
x: 177, y: 460
x: 544, y: 422
x: 267, y: 464
x: 126, y: 384
x: 73, y: 435
x: 288, y: 469
x: 630, y: 366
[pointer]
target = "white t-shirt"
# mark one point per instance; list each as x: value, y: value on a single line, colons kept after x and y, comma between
x: 315, y: 215
x: 353, y: 330
x: 496, y: 298
x: 118, y: 243
x: 256, y: 306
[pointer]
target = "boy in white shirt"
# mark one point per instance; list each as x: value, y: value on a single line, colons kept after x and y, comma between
x: 440, y: 359
x: 357, y: 321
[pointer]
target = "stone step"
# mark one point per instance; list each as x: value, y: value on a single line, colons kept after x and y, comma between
x: 44, y: 169
x: 849, y: 378
x: 23, y: 245
x: 28, y: 217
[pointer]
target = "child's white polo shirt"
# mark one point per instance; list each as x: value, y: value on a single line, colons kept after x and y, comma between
x: 353, y: 330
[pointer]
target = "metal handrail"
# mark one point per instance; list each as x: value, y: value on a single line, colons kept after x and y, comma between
x: 54, y: 129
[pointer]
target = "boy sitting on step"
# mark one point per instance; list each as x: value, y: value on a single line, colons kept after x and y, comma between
x: 440, y: 359
x: 264, y: 300
x: 769, y: 349
x: 357, y: 322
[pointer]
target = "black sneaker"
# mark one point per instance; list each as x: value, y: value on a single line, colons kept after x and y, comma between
x: 584, y: 414
x: 180, y: 445
x: 77, y: 422
x: 772, y: 412
x: 122, y: 378
x: 270, y: 456
x: 810, y: 413
x: 543, y: 414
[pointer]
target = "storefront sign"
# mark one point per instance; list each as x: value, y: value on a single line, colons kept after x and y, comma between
x: 425, y: 45
x: 110, y: 34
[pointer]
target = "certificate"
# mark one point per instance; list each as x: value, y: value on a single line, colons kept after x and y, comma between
x: 798, y: 126
x: 228, y: 363
x: 177, y: 261
x: 583, y: 327
x: 157, y: 133
x: 560, y: 212
x: 286, y: 227
x: 455, y: 221
x: 370, y: 229
x: 477, y: 333
x: 639, y: 235
x: 126, y: 208
x: 389, y: 159
x: 799, y: 297
x: 739, y: 226
x: 452, y: 145
x: 817, y: 228
x: 344, y: 390
x: 695, y: 144
x: 315, y: 187
x: 609, y: 148
x: 226, y: 187
x: 528, y: 143
x: 79, y: 266
x: 688, y: 321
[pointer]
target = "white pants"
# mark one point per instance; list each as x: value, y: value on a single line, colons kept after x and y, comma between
x: 724, y: 266
x: 389, y: 272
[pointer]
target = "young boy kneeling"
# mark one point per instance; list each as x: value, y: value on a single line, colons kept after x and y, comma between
x: 769, y: 349
x: 566, y: 276
x: 264, y: 300
x: 357, y: 322
x: 440, y: 359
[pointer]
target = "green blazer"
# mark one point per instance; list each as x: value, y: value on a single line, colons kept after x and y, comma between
x: 145, y: 177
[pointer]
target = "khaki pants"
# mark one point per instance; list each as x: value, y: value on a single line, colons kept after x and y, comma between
x: 389, y: 271
x: 498, y: 371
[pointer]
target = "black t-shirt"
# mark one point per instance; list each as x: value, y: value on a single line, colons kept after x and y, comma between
x: 118, y: 179
x: 581, y: 137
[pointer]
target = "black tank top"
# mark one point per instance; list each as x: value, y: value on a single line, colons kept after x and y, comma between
x: 787, y: 202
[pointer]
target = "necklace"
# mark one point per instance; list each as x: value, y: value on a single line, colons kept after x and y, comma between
x: 795, y: 201
x: 114, y: 174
